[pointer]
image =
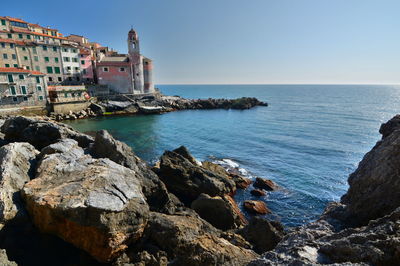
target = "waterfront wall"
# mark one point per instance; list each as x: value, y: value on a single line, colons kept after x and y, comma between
x: 65, y: 108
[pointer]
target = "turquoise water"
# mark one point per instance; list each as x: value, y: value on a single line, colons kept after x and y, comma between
x: 308, y: 140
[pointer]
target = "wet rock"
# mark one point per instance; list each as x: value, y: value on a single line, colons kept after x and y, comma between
x: 240, y: 181
x: 187, y: 180
x: 95, y: 204
x: 40, y: 133
x: 105, y: 146
x: 263, y: 234
x: 215, y: 168
x: 266, y: 184
x: 16, y: 163
x: 375, y: 185
x: 255, y: 207
x: 258, y: 192
x: 221, y: 212
x: 4, y: 259
x: 189, y: 240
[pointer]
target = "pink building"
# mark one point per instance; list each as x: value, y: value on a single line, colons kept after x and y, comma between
x: 116, y: 72
x: 86, y: 62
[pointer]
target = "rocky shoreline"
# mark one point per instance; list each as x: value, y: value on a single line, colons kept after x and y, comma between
x: 157, y: 104
x: 67, y: 198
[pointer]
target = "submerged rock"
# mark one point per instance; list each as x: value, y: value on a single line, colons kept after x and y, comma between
x: 187, y: 180
x: 263, y: 234
x: 95, y: 204
x: 258, y: 192
x: 16, y: 163
x: 255, y: 207
x: 221, y: 212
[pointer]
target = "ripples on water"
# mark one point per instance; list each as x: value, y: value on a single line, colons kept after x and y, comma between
x: 308, y: 140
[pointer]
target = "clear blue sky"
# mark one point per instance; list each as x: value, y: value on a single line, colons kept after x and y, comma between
x: 240, y: 41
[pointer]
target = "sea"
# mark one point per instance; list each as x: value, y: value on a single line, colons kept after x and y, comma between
x: 308, y: 140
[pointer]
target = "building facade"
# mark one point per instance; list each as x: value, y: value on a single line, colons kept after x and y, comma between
x: 20, y: 87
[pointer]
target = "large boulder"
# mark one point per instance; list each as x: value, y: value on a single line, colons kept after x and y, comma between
x: 221, y: 212
x: 95, y: 204
x: 189, y: 240
x: 375, y: 185
x: 158, y: 198
x: 187, y: 180
x: 17, y: 161
x: 263, y: 234
x: 40, y: 133
x: 256, y: 207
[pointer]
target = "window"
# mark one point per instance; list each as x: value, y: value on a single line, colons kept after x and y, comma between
x: 70, y: 78
x: 15, y: 99
x: 23, y: 49
x: 25, y: 58
x: 21, y: 76
x: 75, y: 60
x: 59, y: 78
x: 65, y: 50
x: 36, y: 58
x: 25, y: 98
x: 3, y: 45
x: 37, y: 79
x: 9, y: 35
x: 27, y: 67
x: 49, y: 70
x: 23, y: 89
x: 57, y: 70
x: 56, y: 59
x: 37, y: 68
x: 55, y: 48
x: 34, y: 50
x: 40, y: 98
x: 19, y: 24
x: 44, y: 48
x: 122, y: 69
x: 76, y: 69
x: 20, y: 36
x: 13, y: 91
x: 46, y: 59
x: 78, y: 78
x: 72, y: 94
x: 15, y: 65
x: 39, y: 88
x: 7, y: 65
x: 73, y: 50
x: 66, y: 94
x: 82, y: 62
x: 11, y: 45
x: 5, y: 56
x: 105, y: 69
x: 66, y: 59
x: 50, y: 79
x: 14, y: 56
x: 3, y: 22
x: 84, y: 71
x: 69, y: 68
x: 28, y: 37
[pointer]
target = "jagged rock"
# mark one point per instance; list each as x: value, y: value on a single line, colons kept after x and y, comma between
x: 258, y: 192
x: 95, y: 204
x: 189, y: 240
x: 255, y: 207
x: 266, y: 184
x: 4, y: 259
x: 263, y: 234
x: 213, y: 167
x: 387, y: 128
x: 105, y: 146
x: 16, y: 163
x: 375, y: 185
x: 187, y: 180
x: 240, y: 181
x: 182, y: 150
x: 221, y: 212
x: 97, y: 108
x: 40, y: 133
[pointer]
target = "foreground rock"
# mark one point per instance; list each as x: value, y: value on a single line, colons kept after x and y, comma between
x: 95, y: 204
x: 188, y: 240
x: 187, y: 180
x: 255, y: 207
x: 4, y: 259
x: 221, y: 212
x: 263, y: 234
x: 16, y: 163
x: 240, y: 181
x: 40, y: 133
x: 159, y: 199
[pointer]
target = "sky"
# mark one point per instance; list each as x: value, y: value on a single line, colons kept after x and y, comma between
x: 240, y: 41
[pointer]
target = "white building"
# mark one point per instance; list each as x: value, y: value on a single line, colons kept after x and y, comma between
x: 71, y: 64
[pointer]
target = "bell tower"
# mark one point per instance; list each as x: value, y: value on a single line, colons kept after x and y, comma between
x: 136, y: 61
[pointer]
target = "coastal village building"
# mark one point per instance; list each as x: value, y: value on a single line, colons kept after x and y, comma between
x: 34, y: 58
x: 22, y: 87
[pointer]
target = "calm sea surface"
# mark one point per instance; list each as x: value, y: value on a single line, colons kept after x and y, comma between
x: 309, y: 139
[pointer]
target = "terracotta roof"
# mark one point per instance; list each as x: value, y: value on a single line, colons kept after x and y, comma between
x: 84, y: 51
x: 16, y: 20
x: 37, y: 33
x: 19, y: 70
x: 13, y: 41
x: 38, y: 26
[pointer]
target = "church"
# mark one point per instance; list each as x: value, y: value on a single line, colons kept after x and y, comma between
x: 130, y: 73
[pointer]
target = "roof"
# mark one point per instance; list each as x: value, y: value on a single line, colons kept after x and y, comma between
x: 84, y: 51
x: 20, y: 70
x: 16, y: 20
x: 114, y: 59
x: 37, y: 33
x: 12, y: 41
x: 38, y: 26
